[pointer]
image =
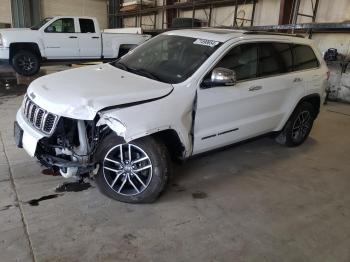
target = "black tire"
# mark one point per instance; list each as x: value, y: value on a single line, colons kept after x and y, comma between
x: 26, y: 63
x: 158, y: 159
x: 291, y: 135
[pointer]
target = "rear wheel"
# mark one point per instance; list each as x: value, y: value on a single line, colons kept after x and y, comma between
x: 298, y: 127
x: 26, y: 63
x: 134, y: 172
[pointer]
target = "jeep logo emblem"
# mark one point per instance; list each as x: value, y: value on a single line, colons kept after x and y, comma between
x: 32, y: 95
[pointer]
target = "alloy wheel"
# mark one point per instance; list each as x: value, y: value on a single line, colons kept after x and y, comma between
x: 26, y: 63
x: 301, y: 126
x: 127, y: 169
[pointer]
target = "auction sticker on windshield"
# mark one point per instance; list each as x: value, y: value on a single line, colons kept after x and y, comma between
x: 206, y: 42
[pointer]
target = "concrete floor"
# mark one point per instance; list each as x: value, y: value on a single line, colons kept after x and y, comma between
x: 253, y: 202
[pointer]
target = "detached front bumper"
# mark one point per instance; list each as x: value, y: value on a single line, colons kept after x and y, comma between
x: 30, y: 136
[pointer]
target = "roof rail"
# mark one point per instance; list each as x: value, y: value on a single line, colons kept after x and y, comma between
x: 271, y: 33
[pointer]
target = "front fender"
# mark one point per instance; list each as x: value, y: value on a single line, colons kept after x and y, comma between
x: 131, y: 124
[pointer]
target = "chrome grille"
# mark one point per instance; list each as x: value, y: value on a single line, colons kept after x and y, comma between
x: 39, y: 118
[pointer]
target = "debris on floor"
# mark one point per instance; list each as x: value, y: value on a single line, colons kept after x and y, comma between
x: 72, y: 187
x: 199, y: 195
x: 50, y: 172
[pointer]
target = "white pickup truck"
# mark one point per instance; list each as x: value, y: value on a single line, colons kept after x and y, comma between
x: 62, y: 38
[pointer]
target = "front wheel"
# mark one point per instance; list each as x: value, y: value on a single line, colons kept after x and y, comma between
x: 26, y: 63
x: 298, y: 127
x: 134, y: 172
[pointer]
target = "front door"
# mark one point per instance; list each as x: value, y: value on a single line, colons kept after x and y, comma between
x: 61, y: 40
x: 253, y: 106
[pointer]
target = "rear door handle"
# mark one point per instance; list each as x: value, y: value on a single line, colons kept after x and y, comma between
x: 73, y: 37
x: 297, y: 79
x: 95, y: 37
x: 255, y: 88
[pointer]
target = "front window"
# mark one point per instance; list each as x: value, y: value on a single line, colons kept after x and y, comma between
x: 168, y: 58
x: 41, y: 23
x: 243, y: 59
x: 63, y: 25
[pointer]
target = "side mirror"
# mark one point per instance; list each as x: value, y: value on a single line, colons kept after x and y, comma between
x: 223, y: 77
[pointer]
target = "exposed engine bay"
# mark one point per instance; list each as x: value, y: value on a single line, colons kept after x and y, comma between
x: 71, y: 148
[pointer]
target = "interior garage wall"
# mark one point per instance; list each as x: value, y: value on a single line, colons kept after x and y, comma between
x: 147, y: 21
x: 328, y: 11
x: 5, y: 11
x: 96, y: 8
x: 266, y: 13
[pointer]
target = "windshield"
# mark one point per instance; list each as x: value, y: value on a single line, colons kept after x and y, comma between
x: 41, y: 23
x: 168, y: 58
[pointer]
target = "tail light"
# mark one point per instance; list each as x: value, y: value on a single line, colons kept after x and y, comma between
x: 328, y: 75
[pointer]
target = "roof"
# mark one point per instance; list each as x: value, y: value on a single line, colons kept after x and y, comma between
x: 224, y: 34
x: 216, y: 34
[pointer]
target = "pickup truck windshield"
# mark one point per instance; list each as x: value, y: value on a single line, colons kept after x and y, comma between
x: 168, y: 58
x: 41, y: 23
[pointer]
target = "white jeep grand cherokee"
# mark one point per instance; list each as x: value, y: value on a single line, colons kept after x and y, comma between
x: 179, y: 94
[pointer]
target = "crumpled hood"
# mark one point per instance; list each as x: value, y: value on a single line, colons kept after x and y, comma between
x: 80, y: 93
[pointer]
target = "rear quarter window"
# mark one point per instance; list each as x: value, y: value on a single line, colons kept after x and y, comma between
x: 86, y: 25
x: 303, y: 57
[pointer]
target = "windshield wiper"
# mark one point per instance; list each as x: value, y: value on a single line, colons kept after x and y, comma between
x: 121, y: 65
x: 140, y: 71
x: 145, y: 73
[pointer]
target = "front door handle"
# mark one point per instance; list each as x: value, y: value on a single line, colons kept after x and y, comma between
x: 73, y: 37
x: 255, y: 88
x: 95, y: 37
x: 297, y: 79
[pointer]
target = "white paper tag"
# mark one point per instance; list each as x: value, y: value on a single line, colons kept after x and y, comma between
x: 206, y: 42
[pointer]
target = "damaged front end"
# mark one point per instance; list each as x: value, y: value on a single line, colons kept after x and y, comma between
x: 71, y: 148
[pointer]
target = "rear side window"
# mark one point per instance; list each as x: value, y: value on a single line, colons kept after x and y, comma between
x: 274, y: 58
x: 243, y: 60
x: 86, y: 25
x: 304, y: 57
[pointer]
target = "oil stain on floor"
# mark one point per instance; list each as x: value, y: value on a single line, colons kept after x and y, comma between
x: 35, y: 202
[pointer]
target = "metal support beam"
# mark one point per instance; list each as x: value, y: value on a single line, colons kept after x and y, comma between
x: 25, y: 13
x: 113, y: 7
x: 297, y: 13
x: 236, y: 19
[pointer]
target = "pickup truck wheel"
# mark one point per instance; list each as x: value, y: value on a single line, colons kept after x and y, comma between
x: 134, y: 172
x: 298, y: 127
x: 26, y: 63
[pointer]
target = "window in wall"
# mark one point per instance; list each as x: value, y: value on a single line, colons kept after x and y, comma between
x: 304, y: 57
x: 274, y: 59
x: 243, y: 60
x: 86, y: 26
x: 64, y: 25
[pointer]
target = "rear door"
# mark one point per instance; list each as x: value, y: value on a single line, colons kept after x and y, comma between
x: 61, y: 39
x: 89, y: 39
x: 306, y: 68
x: 253, y: 106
